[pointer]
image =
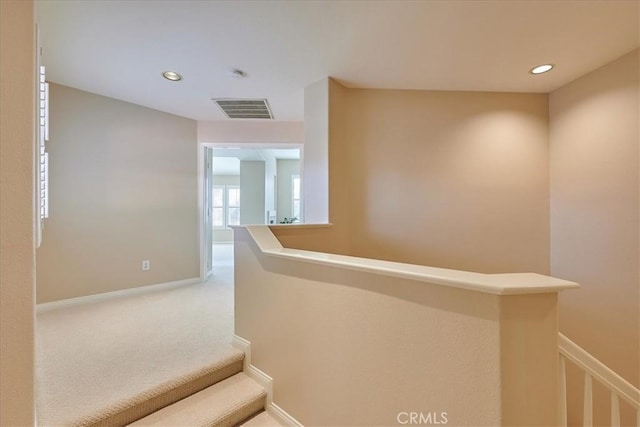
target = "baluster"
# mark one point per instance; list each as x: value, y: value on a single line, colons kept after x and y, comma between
x: 587, y: 416
x: 615, y: 410
x: 563, y: 392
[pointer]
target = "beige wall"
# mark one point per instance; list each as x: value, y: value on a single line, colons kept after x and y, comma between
x: 17, y: 271
x: 123, y: 188
x: 250, y: 131
x: 316, y: 163
x: 226, y: 179
x: 594, y: 216
x: 252, y: 192
x: 448, y: 179
x: 349, y: 347
x: 324, y: 172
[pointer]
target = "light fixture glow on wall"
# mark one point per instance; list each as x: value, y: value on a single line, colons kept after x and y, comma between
x: 541, y: 69
x: 172, y: 75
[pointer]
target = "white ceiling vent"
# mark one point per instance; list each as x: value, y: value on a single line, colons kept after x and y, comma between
x: 245, y: 108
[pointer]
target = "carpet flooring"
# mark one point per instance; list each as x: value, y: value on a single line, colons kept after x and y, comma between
x: 91, y: 355
x: 226, y: 403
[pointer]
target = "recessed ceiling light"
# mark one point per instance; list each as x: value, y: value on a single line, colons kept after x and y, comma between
x: 172, y: 75
x: 541, y: 69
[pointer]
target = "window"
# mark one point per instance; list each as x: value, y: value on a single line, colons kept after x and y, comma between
x: 295, y: 196
x: 226, y: 205
x: 218, y: 206
x: 42, y: 135
x: 233, y: 205
x: 44, y: 156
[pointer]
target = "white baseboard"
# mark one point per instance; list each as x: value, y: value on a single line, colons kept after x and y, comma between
x: 266, y: 381
x: 283, y: 416
x: 46, y: 306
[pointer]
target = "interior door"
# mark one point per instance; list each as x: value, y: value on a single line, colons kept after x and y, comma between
x: 208, y: 211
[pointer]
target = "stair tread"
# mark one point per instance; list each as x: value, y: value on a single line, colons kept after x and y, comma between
x: 225, y: 403
x: 263, y: 419
x: 228, y: 362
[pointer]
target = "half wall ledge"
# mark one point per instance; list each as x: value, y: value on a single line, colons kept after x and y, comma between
x: 497, y: 284
x: 338, y: 332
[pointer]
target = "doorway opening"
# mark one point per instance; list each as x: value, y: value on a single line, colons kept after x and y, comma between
x: 258, y: 184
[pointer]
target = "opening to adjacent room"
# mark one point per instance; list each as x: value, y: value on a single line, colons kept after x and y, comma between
x: 260, y: 184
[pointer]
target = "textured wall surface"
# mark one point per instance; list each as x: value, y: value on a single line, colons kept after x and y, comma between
x: 17, y: 274
x: 595, y: 188
x: 351, y: 347
x: 448, y: 179
x: 123, y: 188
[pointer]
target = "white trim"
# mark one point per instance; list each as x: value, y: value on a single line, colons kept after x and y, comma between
x: 283, y: 416
x: 598, y: 370
x: 201, y: 217
x: 264, y: 380
x: 496, y: 284
x: 244, y: 346
x: 46, y: 306
x: 587, y: 406
x: 615, y: 410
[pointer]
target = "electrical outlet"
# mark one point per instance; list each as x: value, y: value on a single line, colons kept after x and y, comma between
x: 146, y: 265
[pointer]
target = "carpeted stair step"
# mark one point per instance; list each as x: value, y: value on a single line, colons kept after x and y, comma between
x: 131, y: 408
x: 224, y: 404
x: 263, y: 419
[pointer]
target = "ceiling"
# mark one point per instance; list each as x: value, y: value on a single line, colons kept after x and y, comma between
x: 120, y: 48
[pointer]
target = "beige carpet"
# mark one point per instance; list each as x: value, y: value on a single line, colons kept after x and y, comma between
x: 224, y: 404
x: 92, y: 355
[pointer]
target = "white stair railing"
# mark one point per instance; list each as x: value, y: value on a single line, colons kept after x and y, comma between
x: 593, y: 368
